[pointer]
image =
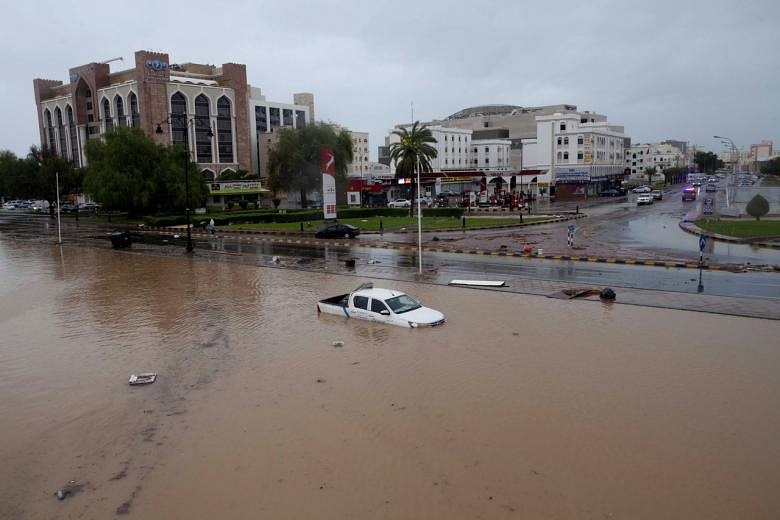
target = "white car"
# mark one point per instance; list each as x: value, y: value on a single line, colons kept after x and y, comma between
x: 381, y: 305
x: 644, y: 199
x: 643, y: 189
x: 399, y: 203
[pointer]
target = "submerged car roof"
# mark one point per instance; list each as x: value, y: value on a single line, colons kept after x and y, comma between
x: 380, y: 294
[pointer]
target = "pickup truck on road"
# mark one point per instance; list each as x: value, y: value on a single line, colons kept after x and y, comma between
x: 381, y: 305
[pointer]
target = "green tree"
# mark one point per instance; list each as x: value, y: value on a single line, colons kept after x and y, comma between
x: 129, y: 172
x: 294, y: 163
x: 35, y: 176
x: 707, y: 161
x: 771, y: 167
x: 674, y: 175
x: 413, y: 152
x: 650, y: 172
x: 757, y: 207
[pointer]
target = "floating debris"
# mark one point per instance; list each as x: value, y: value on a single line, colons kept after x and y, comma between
x: 607, y: 294
x: 71, y: 488
x: 338, y: 343
x: 143, y: 379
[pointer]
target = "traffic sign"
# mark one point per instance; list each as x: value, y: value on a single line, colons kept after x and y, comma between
x: 702, y: 242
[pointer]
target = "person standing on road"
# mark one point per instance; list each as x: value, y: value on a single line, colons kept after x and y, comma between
x: 210, y: 227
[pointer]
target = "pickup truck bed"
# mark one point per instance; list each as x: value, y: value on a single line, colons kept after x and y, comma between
x: 334, y: 305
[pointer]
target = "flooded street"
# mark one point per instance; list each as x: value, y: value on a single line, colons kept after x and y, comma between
x: 518, y: 407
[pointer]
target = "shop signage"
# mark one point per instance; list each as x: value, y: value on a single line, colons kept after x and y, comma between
x: 234, y: 188
x: 328, y: 169
x: 572, y: 175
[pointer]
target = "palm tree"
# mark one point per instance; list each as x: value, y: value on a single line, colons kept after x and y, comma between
x: 413, y: 153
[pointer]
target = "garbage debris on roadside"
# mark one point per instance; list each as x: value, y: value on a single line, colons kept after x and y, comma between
x: 373, y: 261
x: 71, y: 488
x: 276, y: 260
x: 338, y: 343
x: 607, y: 294
x: 143, y: 379
x: 479, y: 283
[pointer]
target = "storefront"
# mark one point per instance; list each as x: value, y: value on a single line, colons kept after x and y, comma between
x: 228, y: 194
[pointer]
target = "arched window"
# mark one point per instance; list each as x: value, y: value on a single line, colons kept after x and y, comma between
x: 224, y: 130
x: 178, y: 118
x: 560, y: 156
x: 107, y: 114
x: 119, y: 104
x: 74, y: 143
x: 208, y: 175
x: 63, y: 150
x: 50, y: 141
x: 202, y: 129
x: 134, y: 116
x: 565, y: 156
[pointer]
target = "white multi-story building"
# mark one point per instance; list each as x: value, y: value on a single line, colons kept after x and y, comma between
x: 641, y: 156
x: 267, y: 117
x: 359, y: 166
x: 574, y: 157
x: 458, y: 152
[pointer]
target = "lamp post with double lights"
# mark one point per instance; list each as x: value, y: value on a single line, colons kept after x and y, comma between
x: 188, y: 121
x: 734, y: 155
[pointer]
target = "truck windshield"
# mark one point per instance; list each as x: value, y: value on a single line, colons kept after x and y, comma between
x: 403, y: 303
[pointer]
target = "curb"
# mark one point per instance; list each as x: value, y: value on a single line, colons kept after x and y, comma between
x: 693, y: 229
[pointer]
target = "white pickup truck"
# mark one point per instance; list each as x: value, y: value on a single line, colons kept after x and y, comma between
x: 381, y: 305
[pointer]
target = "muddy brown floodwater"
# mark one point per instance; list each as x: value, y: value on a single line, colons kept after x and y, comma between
x: 519, y: 407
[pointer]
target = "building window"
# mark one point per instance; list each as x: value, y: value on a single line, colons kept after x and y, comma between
x: 579, y: 139
x: 560, y: 156
x: 560, y: 141
x: 134, y: 116
x: 565, y: 156
x: 49, y: 131
x: 261, y: 119
x: 274, y: 116
x: 487, y: 160
x: 63, y: 151
x: 119, y: 105
x: 579, y: 155
x: 202, y: 130
x: 563, y: 127
x: 565, y: 140
x: 225, y: 130
x: 74, y: 143
x: 178, y: 118
x: 487, y: 150
x: 287, y: 115
x: 107, y: 115
x: 300, y: 118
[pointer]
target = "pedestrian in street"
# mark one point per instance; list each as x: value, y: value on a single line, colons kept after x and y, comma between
x: 210, y: 227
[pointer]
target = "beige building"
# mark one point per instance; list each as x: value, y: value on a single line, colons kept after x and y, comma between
x: 359, y: 167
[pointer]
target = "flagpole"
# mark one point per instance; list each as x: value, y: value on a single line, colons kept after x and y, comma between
x: 419, y: 219
x: 59, y: 228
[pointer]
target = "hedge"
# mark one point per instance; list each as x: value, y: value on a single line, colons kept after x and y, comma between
x: 293, y: 215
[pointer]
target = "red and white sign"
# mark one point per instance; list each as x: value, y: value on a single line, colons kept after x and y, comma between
x: 328, y: 170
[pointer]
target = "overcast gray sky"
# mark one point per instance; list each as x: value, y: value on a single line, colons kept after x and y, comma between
x: 665, y: 70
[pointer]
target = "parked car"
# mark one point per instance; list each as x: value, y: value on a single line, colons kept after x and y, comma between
x: 611, y: 192
x: 88, y: 207
x: 644, y: 199
x: 711, y: 188
x: 657, y: 194
x: 425, y: 202
x: 11, y: 204
x: 67, y: 208
x: 337, y: 230
x: 399, y: 203
x: 643, y: 189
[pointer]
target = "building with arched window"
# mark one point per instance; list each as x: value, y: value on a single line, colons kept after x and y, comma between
x: 210, y: 108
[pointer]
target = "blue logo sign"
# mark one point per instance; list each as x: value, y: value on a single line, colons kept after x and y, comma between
x: 74, y: 78
x: 156, y: 65
x: 702, y: 242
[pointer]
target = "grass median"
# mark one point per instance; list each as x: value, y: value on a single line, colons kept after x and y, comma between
x: 742, y: 228
x: 396, y: 223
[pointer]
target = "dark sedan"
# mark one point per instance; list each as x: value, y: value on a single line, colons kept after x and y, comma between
x: 612, y: 192
x: 337, y: 231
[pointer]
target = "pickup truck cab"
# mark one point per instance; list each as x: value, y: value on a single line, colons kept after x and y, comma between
x: 381, y: 305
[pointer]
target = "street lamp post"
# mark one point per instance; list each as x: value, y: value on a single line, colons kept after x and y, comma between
x: 189, y: 247
x: 734, y: 155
